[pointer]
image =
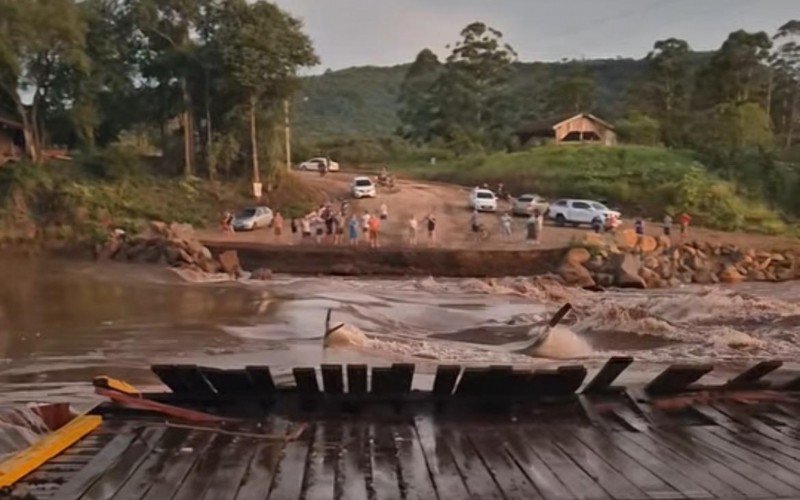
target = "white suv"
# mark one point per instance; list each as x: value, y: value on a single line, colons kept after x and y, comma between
x: 580, y: 212
x: 363, y: 187
x: 482, y: 200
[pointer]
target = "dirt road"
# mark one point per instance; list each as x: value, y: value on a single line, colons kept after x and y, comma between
x: 449, y: 204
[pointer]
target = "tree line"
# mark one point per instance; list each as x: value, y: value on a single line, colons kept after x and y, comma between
x: 737, y: 107
x: 204, y: 80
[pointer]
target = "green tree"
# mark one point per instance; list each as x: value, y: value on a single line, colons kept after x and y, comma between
x: 39, y: 40
x: 469, y: 99
x: 784, y: 90
x: 572, y: 93
x: 415, y: 111
x: 263, y: 48
x: 737, y: 72
x: 639, y: 128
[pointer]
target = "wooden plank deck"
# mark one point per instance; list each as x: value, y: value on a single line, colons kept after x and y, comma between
x: 426, y: 455
x: 375, y: 438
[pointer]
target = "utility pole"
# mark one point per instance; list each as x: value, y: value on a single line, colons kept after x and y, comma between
x: 287, y: 135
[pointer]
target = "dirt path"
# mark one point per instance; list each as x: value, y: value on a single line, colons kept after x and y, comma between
x: 449, y: 204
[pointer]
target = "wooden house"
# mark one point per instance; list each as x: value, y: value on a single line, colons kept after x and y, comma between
x: 580, y: 128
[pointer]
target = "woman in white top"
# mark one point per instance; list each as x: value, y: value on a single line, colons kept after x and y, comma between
x: 412, y: 230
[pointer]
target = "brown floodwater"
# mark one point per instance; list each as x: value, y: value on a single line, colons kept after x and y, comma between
x: 64, y: 322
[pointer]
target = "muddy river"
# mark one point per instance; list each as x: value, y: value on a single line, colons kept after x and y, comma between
x: 63, y: 322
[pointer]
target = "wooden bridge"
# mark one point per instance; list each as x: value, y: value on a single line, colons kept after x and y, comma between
x: 347, y: 432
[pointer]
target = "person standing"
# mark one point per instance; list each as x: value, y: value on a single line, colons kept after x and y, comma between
x: 365, y: 218
x: 532, y: 230
x: 295, y: 228
x: 505, y: 222
x: 412, y: 230
x: 352, y: 228
x: 338, y: 228
x: 430, y: 221
x: 638, y: 226
x: 277, y: 225
x: 539, y: 225
x: 384, y: 211
x: 597, y: 225
x: 305, y: 225
x: 374, y: 229
x: 475, y: 225
x: 684, y: 220
x: 666, y: 226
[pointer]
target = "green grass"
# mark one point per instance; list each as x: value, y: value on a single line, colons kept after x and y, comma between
x: 61, y: 199
x: 647, y: 181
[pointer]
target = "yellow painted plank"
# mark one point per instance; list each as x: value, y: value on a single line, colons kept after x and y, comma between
x: 31, y: 458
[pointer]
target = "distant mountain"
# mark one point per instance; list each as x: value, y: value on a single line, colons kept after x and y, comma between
x: 362, y: 101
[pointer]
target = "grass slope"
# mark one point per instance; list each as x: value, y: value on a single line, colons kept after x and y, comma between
x: 640, y: 180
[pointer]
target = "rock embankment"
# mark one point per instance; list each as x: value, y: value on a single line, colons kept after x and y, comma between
x: 174, y: 245
x: 630, y: 260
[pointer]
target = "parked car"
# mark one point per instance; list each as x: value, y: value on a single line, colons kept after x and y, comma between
x: 363, y: 187
x: 252, y: 218
x: 482, y: 200
x: 314, y: 164
x: 578, y: 212
x: 527, y: 203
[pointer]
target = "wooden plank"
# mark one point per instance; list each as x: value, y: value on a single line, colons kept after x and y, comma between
x: 261, y: 379
x: 193, y: 382
x: 576, y: 480
x: 616, y: 484
x: 416, y: 480
x: 403, y: 377
x: 753, y: 423
x: 676, y: 378
x: 287, y: 483
x: 692, y: 480
x: 229, y: 382
x: 786, y: 456
x: 535, y: 468
x: 476, y: 476
x: 792, y: 385
x: 257, y: 479
x: 499, y: 380
x: 445, y: 381
x: 230, y: 470
x: 332, y: 379
x: 171, y: 378
x: 114, y: 477
x: 199, y: 478
x: 166, y: 482
x: 357, y: 379
x: 24, y: 462
x: 728, y: 470
x: 306, y: 380
x: 563, y: 381
x: 603, y: 379
x: 473, y: 382
x: 104, y: 459
x: 510, y: 478
x: 753, y: 375
x: 320, y: 472
x: 439, y: 458
x: 351, y: 478
x: 383, y: 382
x: 383, y: 461
x: 633, y: 470
x: 788, y: 481
x: 159, y: 459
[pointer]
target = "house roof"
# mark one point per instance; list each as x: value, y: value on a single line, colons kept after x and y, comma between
x: 547, y: 125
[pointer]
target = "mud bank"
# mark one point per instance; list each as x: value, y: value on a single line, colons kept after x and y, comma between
x: 361, y: 261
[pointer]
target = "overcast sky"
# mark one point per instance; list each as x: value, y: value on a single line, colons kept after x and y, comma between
x: 386, y: 32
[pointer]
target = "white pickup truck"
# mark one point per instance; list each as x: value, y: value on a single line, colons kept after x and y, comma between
x: 579, y: 212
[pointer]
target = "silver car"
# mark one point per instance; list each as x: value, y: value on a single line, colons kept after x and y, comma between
x: 252, y: 218
x: 527, y: 203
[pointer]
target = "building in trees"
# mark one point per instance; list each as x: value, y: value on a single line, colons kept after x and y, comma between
x: 581, y: 128
x: 12, y: 143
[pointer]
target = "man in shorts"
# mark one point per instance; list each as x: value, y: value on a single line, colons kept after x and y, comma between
x: 374, y: 228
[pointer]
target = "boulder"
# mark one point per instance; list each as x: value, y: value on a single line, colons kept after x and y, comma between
x: 664, y: 241
x: 596, y: 263
x: 730, y: 275
x: 173, y: 255
x: 647, y: 244
x: 626, y: 269
x: 181, y: 231
x: 651, y: 278
x: 756, y: 275
x: 109, y: 249
x: 652, y: 263
x: 263, y: 274
x: 209, y: 265
x: 604, y: 279
x: 576, y: 274
x: 627, y: 239
x: 702, y: 277
x: 784, y: 274
x: 229, y: 262
x: 593, y: 240
x: 577, y: 256
x: 158, y: 228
